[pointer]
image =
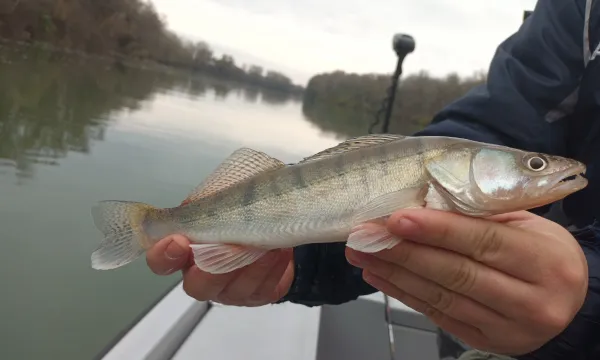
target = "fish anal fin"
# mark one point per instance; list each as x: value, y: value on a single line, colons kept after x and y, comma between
x: 371, y: 238
x: 224, y: 258
x: 354, y: 144
x: 241, y: 165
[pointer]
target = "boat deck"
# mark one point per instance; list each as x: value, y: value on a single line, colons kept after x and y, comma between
x: 180, y: 328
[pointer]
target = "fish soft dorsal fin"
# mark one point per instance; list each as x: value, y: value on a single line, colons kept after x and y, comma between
x: 241, y: 165
x: 354, y: 144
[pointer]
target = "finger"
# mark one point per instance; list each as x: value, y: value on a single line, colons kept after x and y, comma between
x: 448, y: 302
x: 268, y: 292
x: 473, y: 336
x: 286, y: 281
x: 249, y: 279
x: 204, y: 286
x: 494, y: 244
x: 515, y: 216
x: 168, y: 255
x: 457, y: 273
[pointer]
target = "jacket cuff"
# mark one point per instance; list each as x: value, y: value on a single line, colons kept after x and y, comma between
x: 323, y: 276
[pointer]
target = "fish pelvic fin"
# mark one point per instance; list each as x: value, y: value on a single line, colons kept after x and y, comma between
x: 371, y: 238
x: 123, y: 224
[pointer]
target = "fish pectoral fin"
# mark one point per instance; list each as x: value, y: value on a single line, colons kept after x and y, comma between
x: 386, y: 204
x: 371, y: 238
x: 241, y: 165
x: 450, y: 170
x: 224, y: 258
x: 369, y: 234
x: 436, y: 200
x: 354, y: 144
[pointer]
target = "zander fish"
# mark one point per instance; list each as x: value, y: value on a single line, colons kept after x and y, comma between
x: 253, y: 203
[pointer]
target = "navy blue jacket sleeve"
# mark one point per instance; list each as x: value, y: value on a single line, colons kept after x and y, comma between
x: 532, y: 86
x: 580, y: 341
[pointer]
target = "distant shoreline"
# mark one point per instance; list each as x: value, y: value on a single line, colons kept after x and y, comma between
x: 124, y: 32
x: 38, y: 45
x: 123, y: 60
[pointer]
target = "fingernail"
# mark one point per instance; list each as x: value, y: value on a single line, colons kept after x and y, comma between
x: 405, y: 227
x: 358, y: 259
x: 353, y: 258
x: 174, y: 251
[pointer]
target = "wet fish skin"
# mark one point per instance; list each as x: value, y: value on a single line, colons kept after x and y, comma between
x: 253, y: 203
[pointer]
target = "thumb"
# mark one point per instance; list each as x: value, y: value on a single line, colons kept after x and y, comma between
x: 168, y: 255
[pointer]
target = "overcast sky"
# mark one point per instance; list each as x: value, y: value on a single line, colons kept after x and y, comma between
x: 304, y: 37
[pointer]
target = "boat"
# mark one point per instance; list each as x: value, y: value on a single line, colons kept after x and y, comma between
x: 178, y: 327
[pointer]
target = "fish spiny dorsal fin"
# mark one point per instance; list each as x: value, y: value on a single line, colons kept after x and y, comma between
x: 241, y: 165
x: 354, y: 144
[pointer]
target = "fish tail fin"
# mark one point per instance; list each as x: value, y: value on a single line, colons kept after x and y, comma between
x: 125, y: 228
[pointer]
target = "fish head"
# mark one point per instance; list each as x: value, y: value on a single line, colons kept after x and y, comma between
x: 486, y: 180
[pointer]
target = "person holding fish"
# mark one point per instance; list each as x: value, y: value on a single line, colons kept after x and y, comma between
x: 438, y: 221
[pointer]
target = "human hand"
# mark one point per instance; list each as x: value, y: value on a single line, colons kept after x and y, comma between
x: 263, y: 282
x: 507, y: 284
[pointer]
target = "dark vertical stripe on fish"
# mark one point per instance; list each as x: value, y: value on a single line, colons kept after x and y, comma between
x: 212, y: 209
x: 363, y: 175
x: 340, y: 170
x: 298, y: 177
x: 383, y: 161
x: 339, y: 167
x: 274, y: 186
x: 249, y: 197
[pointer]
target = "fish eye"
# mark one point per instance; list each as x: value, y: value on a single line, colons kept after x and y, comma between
x: 536, y: 163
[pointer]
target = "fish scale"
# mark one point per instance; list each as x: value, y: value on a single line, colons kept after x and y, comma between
x: 253, y: 203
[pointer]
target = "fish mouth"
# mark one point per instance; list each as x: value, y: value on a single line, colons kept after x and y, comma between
x: 570, y: 180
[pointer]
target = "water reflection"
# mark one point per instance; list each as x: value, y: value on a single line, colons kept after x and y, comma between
x: 346, y: 122
x: 73, y: 132
x: 50, y: 107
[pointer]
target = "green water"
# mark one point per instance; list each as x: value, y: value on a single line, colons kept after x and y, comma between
x: 73, y: 133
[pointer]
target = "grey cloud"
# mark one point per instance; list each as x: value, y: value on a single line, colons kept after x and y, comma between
x: 357, y: 17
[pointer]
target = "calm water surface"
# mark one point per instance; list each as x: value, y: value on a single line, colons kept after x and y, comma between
x: 72, y: 134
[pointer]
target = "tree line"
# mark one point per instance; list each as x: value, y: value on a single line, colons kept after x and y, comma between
x: 347, y: 103
x: 130, y: 29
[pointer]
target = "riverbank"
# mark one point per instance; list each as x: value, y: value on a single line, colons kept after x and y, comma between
x: 12, y: 50
x: 347, y: 103
x: 128, y: 32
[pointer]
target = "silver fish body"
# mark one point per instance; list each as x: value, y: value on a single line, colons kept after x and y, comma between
x: 253, y: 203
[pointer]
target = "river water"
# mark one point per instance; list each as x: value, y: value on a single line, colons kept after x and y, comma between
x: 76, y: 132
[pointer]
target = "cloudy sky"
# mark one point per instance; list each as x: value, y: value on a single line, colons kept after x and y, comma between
x: 304, y: 37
